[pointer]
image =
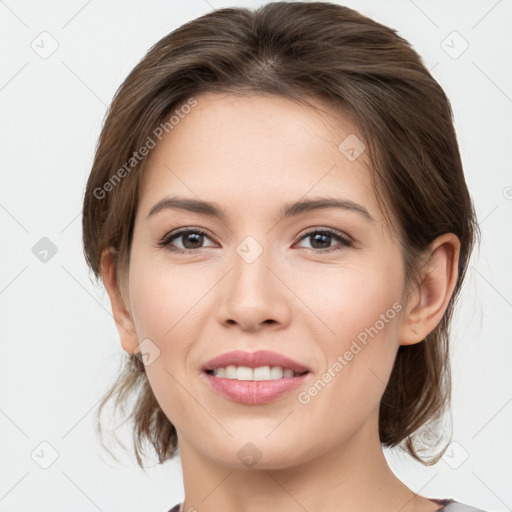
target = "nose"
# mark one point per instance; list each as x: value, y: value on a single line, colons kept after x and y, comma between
x: 254, y: 294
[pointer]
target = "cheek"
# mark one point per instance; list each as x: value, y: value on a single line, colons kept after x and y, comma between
x: 163, y: 312
x: 359, y: 358
x: 350, y: 299
x: 164, y: 299
x: 361, y: 309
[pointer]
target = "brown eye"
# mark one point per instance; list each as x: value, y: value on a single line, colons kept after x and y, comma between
x: 190, y: 239
x: 321, y: 240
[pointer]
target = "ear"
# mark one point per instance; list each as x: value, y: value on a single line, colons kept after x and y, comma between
x: 427, y: 302
x: 122, y: 316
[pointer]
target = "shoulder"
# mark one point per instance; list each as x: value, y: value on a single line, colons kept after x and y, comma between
x: 450, y: 505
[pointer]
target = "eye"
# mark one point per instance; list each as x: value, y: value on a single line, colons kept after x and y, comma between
x: 323, y: 238
x: 191, y: 239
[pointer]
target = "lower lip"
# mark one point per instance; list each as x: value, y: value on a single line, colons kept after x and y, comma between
x: 254, y: 392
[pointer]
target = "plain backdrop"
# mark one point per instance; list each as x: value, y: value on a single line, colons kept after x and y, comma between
x: 61, y: 63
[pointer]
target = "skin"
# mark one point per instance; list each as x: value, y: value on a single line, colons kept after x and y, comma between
x: 250, y: 155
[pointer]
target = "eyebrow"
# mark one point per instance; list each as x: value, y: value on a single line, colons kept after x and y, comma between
x: 288, y: 210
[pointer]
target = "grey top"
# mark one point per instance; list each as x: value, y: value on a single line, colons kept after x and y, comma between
x: 448, y: 505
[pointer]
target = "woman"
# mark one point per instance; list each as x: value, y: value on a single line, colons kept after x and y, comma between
x: 278, y: 211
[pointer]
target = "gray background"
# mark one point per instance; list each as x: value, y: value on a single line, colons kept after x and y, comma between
x: 59, y: 347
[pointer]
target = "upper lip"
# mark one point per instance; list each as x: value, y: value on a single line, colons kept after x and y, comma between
x: 254, y: 360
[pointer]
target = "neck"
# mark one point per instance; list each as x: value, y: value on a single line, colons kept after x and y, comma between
x: 351, y: 476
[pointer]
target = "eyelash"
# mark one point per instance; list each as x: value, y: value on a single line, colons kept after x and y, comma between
x: 344, y: 240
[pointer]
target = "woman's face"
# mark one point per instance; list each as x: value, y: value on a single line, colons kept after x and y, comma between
x: 258, y: 280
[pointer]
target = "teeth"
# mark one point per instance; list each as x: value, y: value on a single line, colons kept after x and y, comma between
x: 260, y: 373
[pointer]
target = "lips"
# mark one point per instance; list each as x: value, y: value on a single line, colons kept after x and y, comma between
x: 255, y: 392
x: 254, y: 360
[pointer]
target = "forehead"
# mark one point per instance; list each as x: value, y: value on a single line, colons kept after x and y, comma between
x: 246, y: 150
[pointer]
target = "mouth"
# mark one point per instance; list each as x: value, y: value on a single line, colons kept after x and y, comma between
x: 254, y: 378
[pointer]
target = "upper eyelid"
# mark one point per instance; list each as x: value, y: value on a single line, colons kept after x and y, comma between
x: 330, y: 231
x: 181, y: 231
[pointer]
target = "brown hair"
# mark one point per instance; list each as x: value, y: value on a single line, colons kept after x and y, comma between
x: 297, y: 50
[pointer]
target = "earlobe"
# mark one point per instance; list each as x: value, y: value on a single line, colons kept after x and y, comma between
x: 428, y: 301
x: 122, y: 316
